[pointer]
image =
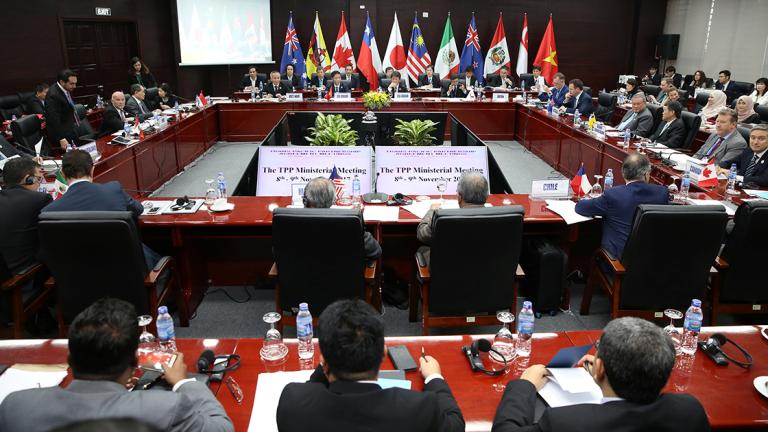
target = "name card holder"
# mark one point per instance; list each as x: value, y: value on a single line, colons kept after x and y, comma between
x: 500, y: 97
x: 91, y: 149
x: 295, y: 97
x: 403, y: 96
x: 695, y: 171
x: 556, y: 188
x: 342, y: 96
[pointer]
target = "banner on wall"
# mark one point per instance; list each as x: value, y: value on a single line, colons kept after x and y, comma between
x: 282, y: 167
x: 417, y: 170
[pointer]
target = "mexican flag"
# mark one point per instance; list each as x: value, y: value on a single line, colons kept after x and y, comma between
x: 60, y: 185
x: 447, y: 60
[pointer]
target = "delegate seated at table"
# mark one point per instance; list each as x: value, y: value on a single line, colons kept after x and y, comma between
x: 726, y: 143
x: 577, y: 99
x: 752, y: 163
x: 671, y: 130
x: 275, y: 88
x: 456, y: 89
x: 638, y: 120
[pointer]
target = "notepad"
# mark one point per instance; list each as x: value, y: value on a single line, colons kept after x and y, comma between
x: 22, y: 377
x: 570, y: 386
x: 566, y: 209
x: 381, y: 213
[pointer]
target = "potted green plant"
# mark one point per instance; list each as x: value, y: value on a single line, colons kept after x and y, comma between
x: 415, y: 132
x: 376, y: 100
x: 332, y: 130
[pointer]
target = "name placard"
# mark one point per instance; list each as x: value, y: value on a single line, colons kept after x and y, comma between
x: 403, y: 96
x: 500, y: 97
x: 298, y: 97
x: 695, y: 171
x: 557, y: 188
x: 343, y: 96
x: 91, y: 149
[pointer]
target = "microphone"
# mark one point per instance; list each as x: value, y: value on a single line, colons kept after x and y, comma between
x: 375, y: 197
x: 205, y: 362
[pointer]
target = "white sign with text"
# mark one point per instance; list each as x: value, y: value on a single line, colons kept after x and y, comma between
x: 280, y: 167
x: 296, y: 97
x: 417, y: 170
x: 554, y: 188
x: 345, y: 96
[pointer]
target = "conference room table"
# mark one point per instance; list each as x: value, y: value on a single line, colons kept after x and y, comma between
x: 698, y: 140
x: 726, y: 392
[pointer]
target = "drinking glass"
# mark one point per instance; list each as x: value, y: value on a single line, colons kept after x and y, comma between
x: 210, y: 193
x: 273, y: 349
x: 596, y: 190
x: 671, y: 331
x: 673, y: 189
x: 147, y: 341
x: 504, y: 341
x: 442, y: 186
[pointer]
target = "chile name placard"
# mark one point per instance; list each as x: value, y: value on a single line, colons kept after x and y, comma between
x: 282, y: 166
x: 417, y: 170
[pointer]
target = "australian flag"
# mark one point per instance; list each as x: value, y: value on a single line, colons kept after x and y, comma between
x: 471, y: 54
x: 338, y: 182
x: 292, y: 51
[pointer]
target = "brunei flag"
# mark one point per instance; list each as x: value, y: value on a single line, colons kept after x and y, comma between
x: 317, y: 56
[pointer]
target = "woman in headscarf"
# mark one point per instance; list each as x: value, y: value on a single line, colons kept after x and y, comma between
x: 745, y: 107
x: 715, y: 103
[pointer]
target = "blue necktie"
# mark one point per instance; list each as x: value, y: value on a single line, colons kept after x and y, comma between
x: 72, y: 103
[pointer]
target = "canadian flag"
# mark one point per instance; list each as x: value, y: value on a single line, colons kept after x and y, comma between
x: 395, y: 54
x: 342, y: 51
x: 708, y: 175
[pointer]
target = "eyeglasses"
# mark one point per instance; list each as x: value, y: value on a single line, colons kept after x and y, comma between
x: 235, y: 389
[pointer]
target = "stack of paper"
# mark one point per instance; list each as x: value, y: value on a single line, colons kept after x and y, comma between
x: 570, y: 386
x: 22, y: 377
x: 757, y: 193
x: 381, y: 213
x: 728, y: 208
x: 567, y: 210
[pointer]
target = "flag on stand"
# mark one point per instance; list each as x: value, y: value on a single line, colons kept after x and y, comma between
x: 547, y: 55
x: 60, y: 185
x: 338, y: 182
x: 498, y: 52
x: 418, y: 56
x: 522, y: 53
x: 708, y: 175
x: 369, y: 61
x: 203, y: 100
x: 580, y: 183
x: 447, y: 62
x: 317, y: 55
x: 329, y: 93
x: 471, y: 54
x: 292, y: 51
x: 342, y: 51
x: 395, y: 54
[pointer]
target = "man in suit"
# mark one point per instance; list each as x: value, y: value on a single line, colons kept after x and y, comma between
x: 633, y: 362
x: 293, y: 79
x: 321, y: 193
x: 429, y: 79
x: 725, y: 84
x: 102, y: 354
x: 456, y: 88
x: 558, y: 92
x: 671, y: 72
x: 251, y: 81
x: 388, y: 72
x: 36, y: 105
x: 354, y: 81
x: 751, y: 164
x: 469, y: 77
x: 652, y: 77
x: 319, y: 81
x: 114, y: 117
x: 472, y: 191
x: 639, y: 119
x: 342, y: 393
x: 60, y: 116
x: 538, y: 83
x: 577, y: 99
x: 275, y: 88
x: 671, y: 132
x: 726, y: 143
x: 617, y: 204
x: 336, y: 85
x: 504, y: 81
x: 396, y: 85
x: 84, y: 195
x: 135, y: 105
x: 666, y: 83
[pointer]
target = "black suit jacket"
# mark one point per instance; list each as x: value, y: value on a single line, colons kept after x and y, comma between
x: 435, y: 82
x: 458, y: 92
x: 585, y: 105
x: 315, y: 82
x: 147, y: 80
x: 472, y: 81
x: 132, y: 107
x: 730, y: 91
x: 111, y: 121
x: 760, y: 173
x: 345, y: 405
x: 246, y: 82
x: 653, y: 79
x: 669, y: 413
x: 673, y: 136
x: 35, y: 106
x: 354, y: 81
x: 498, y: 83
x: 19, y: 209
x: 59, y: 116
x: 401, y: 88
x: 270, y: 89
x: 294, y: 80
x: 342, y: 88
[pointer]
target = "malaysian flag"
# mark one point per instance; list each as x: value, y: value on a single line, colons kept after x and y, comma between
x: 418, y: 56
x: 338, y: 182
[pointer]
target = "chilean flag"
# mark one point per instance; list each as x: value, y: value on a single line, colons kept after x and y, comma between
x: 369, y: 60
x: 580, y: 184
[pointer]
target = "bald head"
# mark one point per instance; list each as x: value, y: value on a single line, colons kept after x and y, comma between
x: 636, y: 167
x: 319, y: 193
x: 472, y: 188
x: 118, y: 100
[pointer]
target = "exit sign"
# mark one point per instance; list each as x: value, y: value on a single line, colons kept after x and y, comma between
x: 103, y: 11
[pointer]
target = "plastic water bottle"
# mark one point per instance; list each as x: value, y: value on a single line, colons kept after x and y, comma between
x: 608, y: 179
x: 319, y: 93
x: 253, y: 95
x: 304, y: 332
x: 222, y: 186
x: 627, y: 138
x: 576, y: 118
x: 127, y: 129
x: 356, y: 191
x: 176, y: 107
x: 524, y: 330
x: 165, y: 332
x: 550, y: 107
x: 525, y: 96
x: 13, y: 118
x: 261, y: 86
x: 685, y: 185
x: 692, y: 327
x: 730, y: 187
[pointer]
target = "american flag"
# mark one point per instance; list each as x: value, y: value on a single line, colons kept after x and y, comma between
x: 418, y: 56
x: 338, y: 182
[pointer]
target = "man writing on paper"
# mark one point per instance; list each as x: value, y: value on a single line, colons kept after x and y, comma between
x: 633, y: 361
x: 343, y: 394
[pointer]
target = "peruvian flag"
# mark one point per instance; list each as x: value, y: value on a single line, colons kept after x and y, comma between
x: 342, y: 51
x: 395, y: 54
x: 498, y: 53
x: 580, y: 184
x: 547, y: 55
x: 522, y: 53
x: 708, y: 175
x: 369, y: 60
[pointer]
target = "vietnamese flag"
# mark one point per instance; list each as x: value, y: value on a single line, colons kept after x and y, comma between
x: 547, y: 55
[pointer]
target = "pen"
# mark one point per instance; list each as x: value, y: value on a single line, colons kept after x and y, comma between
x: 423, y: 355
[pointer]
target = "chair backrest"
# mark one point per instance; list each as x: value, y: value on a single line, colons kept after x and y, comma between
x: 743, y: 88
x: 320, y: 256
x: 10, y: 106
x: 744, y: 133
x: 762, y: 110
x: 421, y: 76
x: 527, y: 79
x: 492, y: 79
x: 656, y: 111
x: 444, y: 84
x: 24, y: 99
x: 84, y: 129
x: 385, y: 82
x: 701, y: 100
x: 382, y: 75
x: 27, y: 132
x: 746, y: 254
x: 687, y: 80
x: 683, y: 97
x: 85, y: 266
x: 473, y: 259
x: 347, y: 83
x: 152, y: 98
x: 656, y: 281
x: 588, y: 90
x: 651, y: 90
x: 606, y: 104
x: 692, y: 123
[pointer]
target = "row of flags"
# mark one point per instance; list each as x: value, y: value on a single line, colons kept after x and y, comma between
x: 417, y: 58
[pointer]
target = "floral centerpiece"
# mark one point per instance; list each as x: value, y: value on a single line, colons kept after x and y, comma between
x: 375, y: 100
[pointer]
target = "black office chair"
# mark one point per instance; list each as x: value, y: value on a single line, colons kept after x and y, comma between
x: 421, y: 76
x: 763, y: 112
x: 27, y: 132
x: 444, y: 84
x: 651, y: 90
x: 737, y: 287
x: 385, y: 82
x: 86, y: 268
x: 744, y: 132
x: 22, y: 310
x: 606, y: 104
x: 692, y: 123
x: 347, y: 83
x: 287, y: 84
x: 656, y: 111
x: 319, y: 258
x: 683, y: 98
x: 644, y: 282
x: 84, y: 130
x: 742, y: 88
x: 687, y: 80
x: 473, y: 268
x: 382, y: 76
x: 527, y: 79
x: 493, y: 80
x: 152, y: 98
x: 588, y: 90
x: 24, y: 99
x: 10, y: 106
x: 702, y: 98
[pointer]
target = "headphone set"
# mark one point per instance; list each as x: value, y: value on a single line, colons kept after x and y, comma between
x: 207, y: 363
x: 476, y: 363
x: 713, y: 347
x: 400, y: 199
x: 183, y: 203
x: 29, y: 180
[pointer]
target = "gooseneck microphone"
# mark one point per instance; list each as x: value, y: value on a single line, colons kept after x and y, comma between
x: 375, y: 197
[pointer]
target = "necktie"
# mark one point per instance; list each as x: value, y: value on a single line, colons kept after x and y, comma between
x: 714, y: 147
x: 626, y: 122
x: 122, y: 115
x: 142, y: 107
x: 72, y: 103
x: 664, y: 128
x: 336, y: 90
x: 662, y: 97
x: 751, y: 167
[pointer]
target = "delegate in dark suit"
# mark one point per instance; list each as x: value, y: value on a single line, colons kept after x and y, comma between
x: 730, y: 90
x: 617, y: 208
x: 111, y: 121
x: 401, y: 88
x: 759, y: 172
x: 19, y: 209
x: 669, y: 413
x: 557, y: 96
x: 145, y: 79
x: 434, y: 82
x: 137, y: 108
x: 59, y: 116
x: 247, y: 82
x: 671, y: 134
x: 341, y: 88
x: 35, y: 106
x: 316, y: 81
x: 459, y: 91
x: 641, y: 123
x: 582, y: 102
x: 275, y: 90
x: 354, y: 80
x: 728, y: 149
